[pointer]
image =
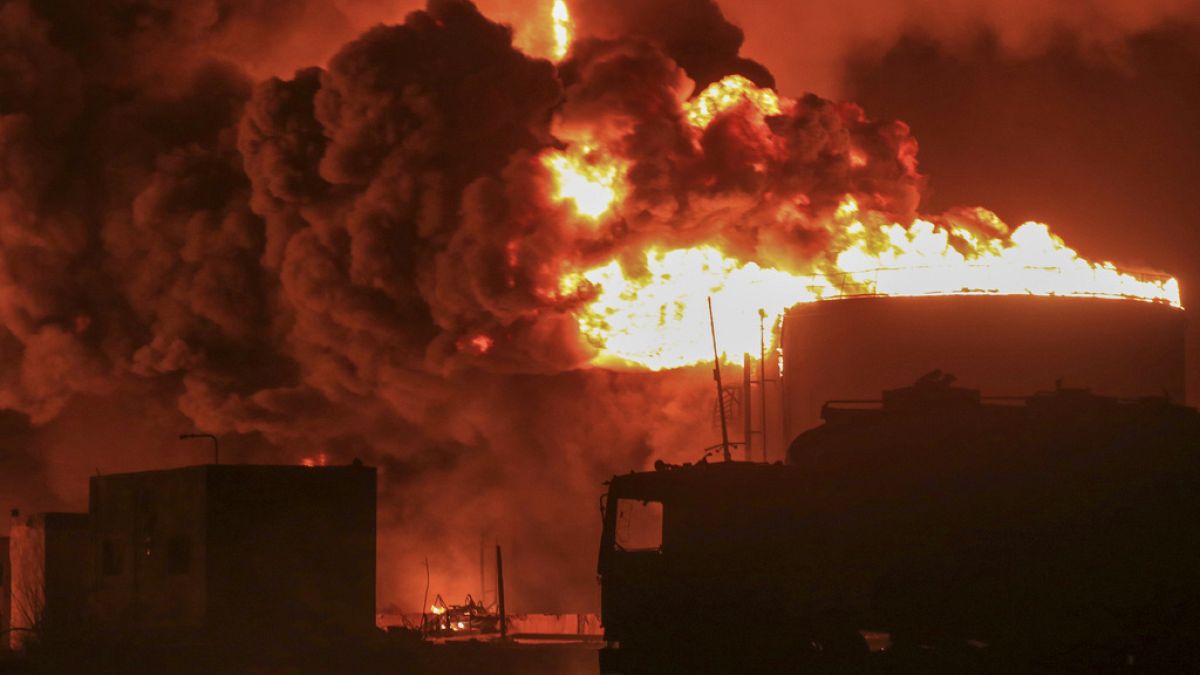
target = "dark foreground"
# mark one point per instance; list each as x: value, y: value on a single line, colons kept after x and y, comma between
x: 460, y: 659
x: 535, y: 659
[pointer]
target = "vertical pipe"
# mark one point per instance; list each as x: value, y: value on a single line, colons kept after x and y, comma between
x: 762, y: 378
x: 747, y: 406
x: 712, y: 327
x: 500, y: 594
x: 482, y: 580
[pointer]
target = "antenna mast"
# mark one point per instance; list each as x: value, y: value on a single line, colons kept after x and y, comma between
x: 712, y: 327
x: 762, y: 376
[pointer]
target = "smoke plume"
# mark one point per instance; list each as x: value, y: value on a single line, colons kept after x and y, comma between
x: 362, y: 258
x: 809, y: 44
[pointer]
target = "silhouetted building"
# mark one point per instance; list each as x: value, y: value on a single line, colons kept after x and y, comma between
x: 48, y: 554
x: 235, y: 551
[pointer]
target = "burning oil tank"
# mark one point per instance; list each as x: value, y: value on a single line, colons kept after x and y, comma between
x: 853, y: 348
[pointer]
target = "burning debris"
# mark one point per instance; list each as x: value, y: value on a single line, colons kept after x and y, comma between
x: 471, y: 618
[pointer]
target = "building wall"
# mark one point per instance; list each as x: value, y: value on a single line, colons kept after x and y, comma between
x: 49, y: 575
x: 271, y: 551
x: 1001, y: 345
x: 5, y: 592
x: 292, y: 550
x: 148, y: 551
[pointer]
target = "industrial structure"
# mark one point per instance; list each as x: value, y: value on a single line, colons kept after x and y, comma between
x: 235, y: 551
x: 855, y: 347
x: 1038, y: 526
x: 203, y: 553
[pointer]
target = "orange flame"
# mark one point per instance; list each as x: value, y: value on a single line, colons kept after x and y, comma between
x: 728, y: 93
x: 658, y: 318
x: 654, y: 315
x: 563, y: 27
x: 587, y: 177
x: 320, y: 460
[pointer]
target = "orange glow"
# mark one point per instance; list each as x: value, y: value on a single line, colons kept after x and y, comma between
x: 646, y: 308
x: 658, y: 318
x: 585, y: 176
x: 726, y: 94
x: 481, y: 344
x: 320, y: 460
x: 561, y: 19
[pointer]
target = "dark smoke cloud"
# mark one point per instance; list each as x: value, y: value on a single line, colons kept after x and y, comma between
x: 296, y: 265
x: 1104, y: 149
x: 733, y: 183
x: 808, y: 44
x: 694, y: 33
x: 361, y: 258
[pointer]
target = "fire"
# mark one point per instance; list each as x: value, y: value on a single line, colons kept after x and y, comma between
x: 587, y: 177
x: 320, y: 460
x: 648, y: 308
x: 561, y: 19
x: 657, y: 318
x: 660, y: 319
x: 728, y: 93
x: 477, y: 345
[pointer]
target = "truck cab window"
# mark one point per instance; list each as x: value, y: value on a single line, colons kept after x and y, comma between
x: 639, y: 525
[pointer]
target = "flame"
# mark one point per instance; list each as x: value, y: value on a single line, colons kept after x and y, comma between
x: 587, y: 177
x: 648, y: 308
x: 561, y: 19
x: 728, y: 93
x: 477, y: 345
x: 320, y: 460
x: 660, y: 319
x: 657, y: 318
x: 437, y: 609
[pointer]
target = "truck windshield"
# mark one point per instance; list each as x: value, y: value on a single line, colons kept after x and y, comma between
x: 639, y: 525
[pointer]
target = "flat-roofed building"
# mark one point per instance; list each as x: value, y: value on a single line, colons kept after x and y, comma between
x: 229, y: 551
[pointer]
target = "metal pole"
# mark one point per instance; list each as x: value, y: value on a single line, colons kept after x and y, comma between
x: 785, y: 410
x: 425, y: 600
x: 747, y: 406
x: 216, y: 447
x: 762, y: 376
x: 500, y: 594
x: 712, y: 327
